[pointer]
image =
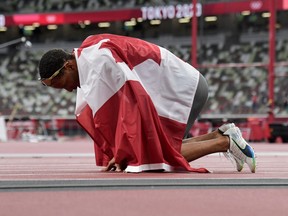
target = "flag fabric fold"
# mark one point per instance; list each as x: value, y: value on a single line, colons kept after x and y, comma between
x: 134, y: 102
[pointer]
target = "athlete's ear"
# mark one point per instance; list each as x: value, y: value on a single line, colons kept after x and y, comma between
x: 71, y: 64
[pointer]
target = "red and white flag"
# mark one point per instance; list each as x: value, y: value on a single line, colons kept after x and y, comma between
x: 134, y: 101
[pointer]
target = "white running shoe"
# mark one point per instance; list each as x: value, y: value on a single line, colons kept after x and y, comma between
x: 223, y: 128
x: 234, y: 160
x: 239, y: 164
x: 240, y: 149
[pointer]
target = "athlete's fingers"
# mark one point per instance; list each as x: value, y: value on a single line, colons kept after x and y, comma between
x: 110, y: 166
x: 118, y: 168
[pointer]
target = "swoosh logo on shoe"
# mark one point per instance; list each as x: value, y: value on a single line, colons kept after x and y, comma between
x: 248, y: 151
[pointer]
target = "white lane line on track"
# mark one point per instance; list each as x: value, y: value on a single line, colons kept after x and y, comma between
x: 46, y: 155
x: 260, y: 154
x: 65, y: 155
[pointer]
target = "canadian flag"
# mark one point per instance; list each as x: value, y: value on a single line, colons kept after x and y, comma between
x: 134, y: 101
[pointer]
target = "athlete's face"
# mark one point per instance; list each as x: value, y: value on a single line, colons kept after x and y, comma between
x: 68, y: 77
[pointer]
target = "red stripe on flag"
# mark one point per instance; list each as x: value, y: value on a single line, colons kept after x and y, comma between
x: 123, y: 49
x: 85, y: 119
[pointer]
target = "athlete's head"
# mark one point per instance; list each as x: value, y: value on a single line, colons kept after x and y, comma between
x: 58, y: 69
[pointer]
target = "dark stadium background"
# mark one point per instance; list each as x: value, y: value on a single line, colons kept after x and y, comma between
x: 242, y: 49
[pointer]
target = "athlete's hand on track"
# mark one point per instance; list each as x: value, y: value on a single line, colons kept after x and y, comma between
x: 112, y: 166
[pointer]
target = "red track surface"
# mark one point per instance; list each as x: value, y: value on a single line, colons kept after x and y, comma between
x: 73, y: 160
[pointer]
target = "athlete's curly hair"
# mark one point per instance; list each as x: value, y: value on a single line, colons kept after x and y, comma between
x: 51, y: 61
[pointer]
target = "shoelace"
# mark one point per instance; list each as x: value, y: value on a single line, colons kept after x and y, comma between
x: 229, y: 157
